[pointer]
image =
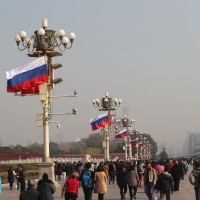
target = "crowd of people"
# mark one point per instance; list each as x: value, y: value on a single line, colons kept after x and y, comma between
x: 159, y: 179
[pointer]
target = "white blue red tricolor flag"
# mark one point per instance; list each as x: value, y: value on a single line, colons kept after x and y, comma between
x: 140, y: 145
x: 134, y: 143
x: 100, y: 121
x: 27, y: 79
x: 121, y: 134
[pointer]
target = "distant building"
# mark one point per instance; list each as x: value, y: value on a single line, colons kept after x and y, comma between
x: 193, y: 143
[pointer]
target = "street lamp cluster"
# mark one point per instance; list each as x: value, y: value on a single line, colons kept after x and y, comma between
x: 45, y: 39
x: 107, y: 104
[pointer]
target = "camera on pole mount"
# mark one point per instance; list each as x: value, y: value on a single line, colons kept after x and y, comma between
x: 74, y: 111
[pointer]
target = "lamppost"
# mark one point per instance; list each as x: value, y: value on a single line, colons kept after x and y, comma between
x: 144, y: 139
x: 107, y: 104
x: 146, y: 149
x: 138, y: 138
x: 127, y: 123
x: 42, y: 43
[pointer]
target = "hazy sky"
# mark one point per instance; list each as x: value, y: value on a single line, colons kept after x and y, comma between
x: 145, y: 52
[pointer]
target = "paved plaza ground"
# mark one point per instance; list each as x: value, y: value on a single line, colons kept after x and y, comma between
x: 186, y: 192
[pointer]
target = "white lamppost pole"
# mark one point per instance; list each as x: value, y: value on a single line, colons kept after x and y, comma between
x: 107, y: 104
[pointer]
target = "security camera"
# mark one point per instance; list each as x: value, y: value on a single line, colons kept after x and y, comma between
x: 115, y: 127
x: 75, y: 92
x: 58, y: 126
x: 74, y: 111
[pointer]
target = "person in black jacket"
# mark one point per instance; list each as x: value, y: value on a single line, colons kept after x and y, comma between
x: 177, y: 174
x: 121, y: 181
x: 21, y: 178
x: 165, y: 184
x: 46, y: 188
x: 11, y: 177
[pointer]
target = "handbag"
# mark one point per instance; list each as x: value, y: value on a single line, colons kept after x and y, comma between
x: 156, y: 196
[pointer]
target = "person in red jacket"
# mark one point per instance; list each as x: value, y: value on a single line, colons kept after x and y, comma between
x: 71, y: 187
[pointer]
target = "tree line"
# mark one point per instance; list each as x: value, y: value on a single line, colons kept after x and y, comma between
x: 91, y: 145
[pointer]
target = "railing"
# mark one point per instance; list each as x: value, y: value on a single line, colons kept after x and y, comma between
x: 39, y: 160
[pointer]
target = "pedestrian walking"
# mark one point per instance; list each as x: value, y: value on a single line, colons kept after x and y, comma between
x: 132, y: 181
x: 121, y: 181
x: 11, y: 177
x: 59, y: 171
x: 31, y: 193
x: 46, y: 188
x: 70, y: 188
x: 111, y: 172
x: 100, y: 180
x: 165, y: 184
x: 178, y: 174
x: 194, y: 179
x: 86, y: 179
x: 149, y: 180
x: 21, y: 178
x: 140, y: 171
x: 17, y: 176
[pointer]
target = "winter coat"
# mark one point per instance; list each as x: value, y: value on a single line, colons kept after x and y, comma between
x: 11, y: 177
x: 152, y: 176
x: 29, y: 194
x: 71, y: 185
x: 121, y: 179
x: 46, y: 189
x: 132, y: 178
x: 100, y: 180
x: 177, y: 172
x: 164, y: 182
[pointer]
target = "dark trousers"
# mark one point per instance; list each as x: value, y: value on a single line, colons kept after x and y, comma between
x: 132, y: 191
x: 123, y: 190
x: 100, y: 196
x: 176, y: 184
x: 149, y: 189
x: 88, y: 194
x: 22, y: 185
x: 197, y: 193
x: 11, y: 185
x: 17, y: 183
x: 112, y: 177
x: 163, y: 193
x: 70, y: 196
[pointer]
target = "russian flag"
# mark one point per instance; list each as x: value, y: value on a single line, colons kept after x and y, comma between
x: 27, y: 79
x: 121, y: 134
x: 140, y: 146
x: 100, y: 121
x: 134, y: 143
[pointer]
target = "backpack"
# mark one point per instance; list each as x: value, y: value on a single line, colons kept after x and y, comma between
x: 87, y: 180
